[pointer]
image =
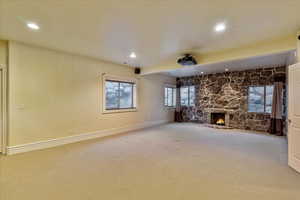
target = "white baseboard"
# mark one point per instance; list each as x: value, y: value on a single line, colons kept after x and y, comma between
x: 295, y: 163
x: 77, y: 138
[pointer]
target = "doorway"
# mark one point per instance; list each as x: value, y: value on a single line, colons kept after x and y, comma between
x: 294, y: 117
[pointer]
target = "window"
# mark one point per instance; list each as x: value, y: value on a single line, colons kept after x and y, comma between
x: 187, y: 96
x: 119, y: 95
x: 170, y: 96
x: 260, y: 99
x: 269, y: 98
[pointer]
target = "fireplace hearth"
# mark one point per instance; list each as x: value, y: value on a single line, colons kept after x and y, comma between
x: 218, y: 119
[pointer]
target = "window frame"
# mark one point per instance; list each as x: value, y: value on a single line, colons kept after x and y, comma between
x: 189, y: 98
x: 173, y: 87
x: 265, y: 89
x: 119, y: 80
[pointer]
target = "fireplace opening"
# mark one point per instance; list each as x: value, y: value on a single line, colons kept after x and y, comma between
x: 218, y: 119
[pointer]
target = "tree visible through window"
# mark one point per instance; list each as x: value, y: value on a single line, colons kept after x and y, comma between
x: 170, y: 96
x: 187, y: 96
x: 260, y: 99
x: 119, y: 95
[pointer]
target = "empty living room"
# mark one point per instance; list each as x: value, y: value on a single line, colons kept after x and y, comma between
x: 149, y: 100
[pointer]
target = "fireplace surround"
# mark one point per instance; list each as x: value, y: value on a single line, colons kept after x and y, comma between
x: 228, y: 93
x: 218, y: 119
x: 216, y: 114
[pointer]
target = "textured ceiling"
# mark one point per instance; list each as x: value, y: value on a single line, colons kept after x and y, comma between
x: 155, y: 29
x: 273, y: 60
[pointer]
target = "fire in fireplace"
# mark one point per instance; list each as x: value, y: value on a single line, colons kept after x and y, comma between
x: 218, y: 119
x: 220, y: 122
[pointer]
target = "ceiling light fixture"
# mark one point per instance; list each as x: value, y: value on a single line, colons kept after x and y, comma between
x: 132, y: 55
x: 202, y: 72
x: 226, y: 70
x: 220, y: 27
x: 33, y: 26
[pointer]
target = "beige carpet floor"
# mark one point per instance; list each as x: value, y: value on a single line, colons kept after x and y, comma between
x: 169, y: 162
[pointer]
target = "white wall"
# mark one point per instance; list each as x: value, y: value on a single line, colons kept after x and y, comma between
x: 54, y: 94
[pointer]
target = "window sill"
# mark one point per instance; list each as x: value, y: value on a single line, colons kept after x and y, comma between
x: 170, y: 108
x: 119, y: 111
x: 261, y: 113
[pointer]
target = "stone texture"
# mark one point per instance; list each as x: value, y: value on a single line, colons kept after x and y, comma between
x: 229, y: 92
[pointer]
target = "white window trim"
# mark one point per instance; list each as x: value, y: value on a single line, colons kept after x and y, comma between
x: 167, y: 85
x: 124, y: 79
x: 170, y: 85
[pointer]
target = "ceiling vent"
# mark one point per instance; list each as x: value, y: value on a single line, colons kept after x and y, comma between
x: 187, y: 60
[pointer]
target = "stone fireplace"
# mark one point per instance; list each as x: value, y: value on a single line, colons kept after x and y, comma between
x: 227, y: 93
x: 217, y: 119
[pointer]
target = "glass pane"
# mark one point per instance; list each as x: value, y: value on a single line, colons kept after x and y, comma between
x: 192, y: 95
x: 256, y: 99
x: 111, y: 95
x: 166, y: 96
x: 126, y: 94
x: 170, y: 98
x: 184, y: 98
x: 268, y: 109
x: 269, y: 98
x: 174, y: 96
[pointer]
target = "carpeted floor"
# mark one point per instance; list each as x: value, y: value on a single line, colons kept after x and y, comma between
x: 169, y: 162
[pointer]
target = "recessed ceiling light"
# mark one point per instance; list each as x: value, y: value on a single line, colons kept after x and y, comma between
x: 132, y: 55
x: 226, y: 70
x: 33, y: 26
x: 202, y: 72
x: 220, y: 27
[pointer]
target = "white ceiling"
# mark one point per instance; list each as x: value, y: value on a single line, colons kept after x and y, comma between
x: 273, y: 60
x: 155, y: 29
